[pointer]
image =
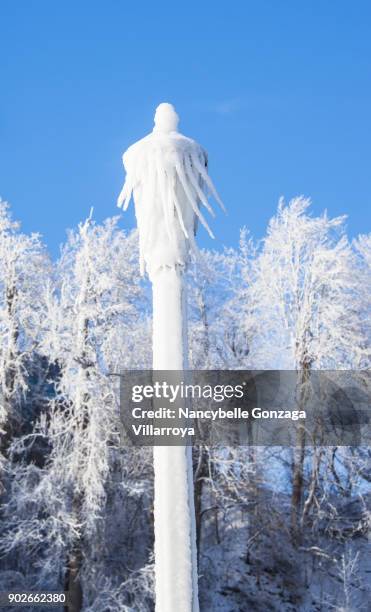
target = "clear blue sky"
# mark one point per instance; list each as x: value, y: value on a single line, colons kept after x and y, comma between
x: 278, y: 92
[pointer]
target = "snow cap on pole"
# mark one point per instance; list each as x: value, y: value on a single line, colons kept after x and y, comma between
x: 166, y: 173
x: 166, y: 119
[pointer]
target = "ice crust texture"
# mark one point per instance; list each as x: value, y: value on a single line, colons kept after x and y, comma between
x: 166, y: 174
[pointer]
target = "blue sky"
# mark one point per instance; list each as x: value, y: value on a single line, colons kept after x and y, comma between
x: 278, y: 92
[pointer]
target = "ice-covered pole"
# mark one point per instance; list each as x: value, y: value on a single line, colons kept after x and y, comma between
x: 166, y: 173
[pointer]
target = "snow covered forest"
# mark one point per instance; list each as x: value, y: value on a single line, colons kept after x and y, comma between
x: 277, y: 529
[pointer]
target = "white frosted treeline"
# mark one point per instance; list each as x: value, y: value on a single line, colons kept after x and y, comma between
x: 166, y: 173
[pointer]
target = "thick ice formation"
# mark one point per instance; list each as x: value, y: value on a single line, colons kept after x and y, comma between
x: 166, y: 173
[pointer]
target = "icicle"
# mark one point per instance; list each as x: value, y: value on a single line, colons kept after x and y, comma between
x: 205, y: 177
x: 172, y: 200
x: 162, y: 184
x: 148, y: 212
x: 194, y: 180
x: 192, y: 201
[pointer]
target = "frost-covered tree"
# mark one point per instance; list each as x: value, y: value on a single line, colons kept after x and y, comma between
x: 238, y: 318
x: 94, y: 314
x: 306, y: 292
x: 98, y: 294
x: 24, y: 270
x: 307, y: 300
x: 219, y: 336
x: 221, y: 325
x: 363, y: 250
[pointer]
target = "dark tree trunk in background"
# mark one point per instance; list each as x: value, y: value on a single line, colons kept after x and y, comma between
x: 75, y: 556
x: 199, y: 475
x: 10, y: 375
x: 299, y: 456
x: 72, y: 583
